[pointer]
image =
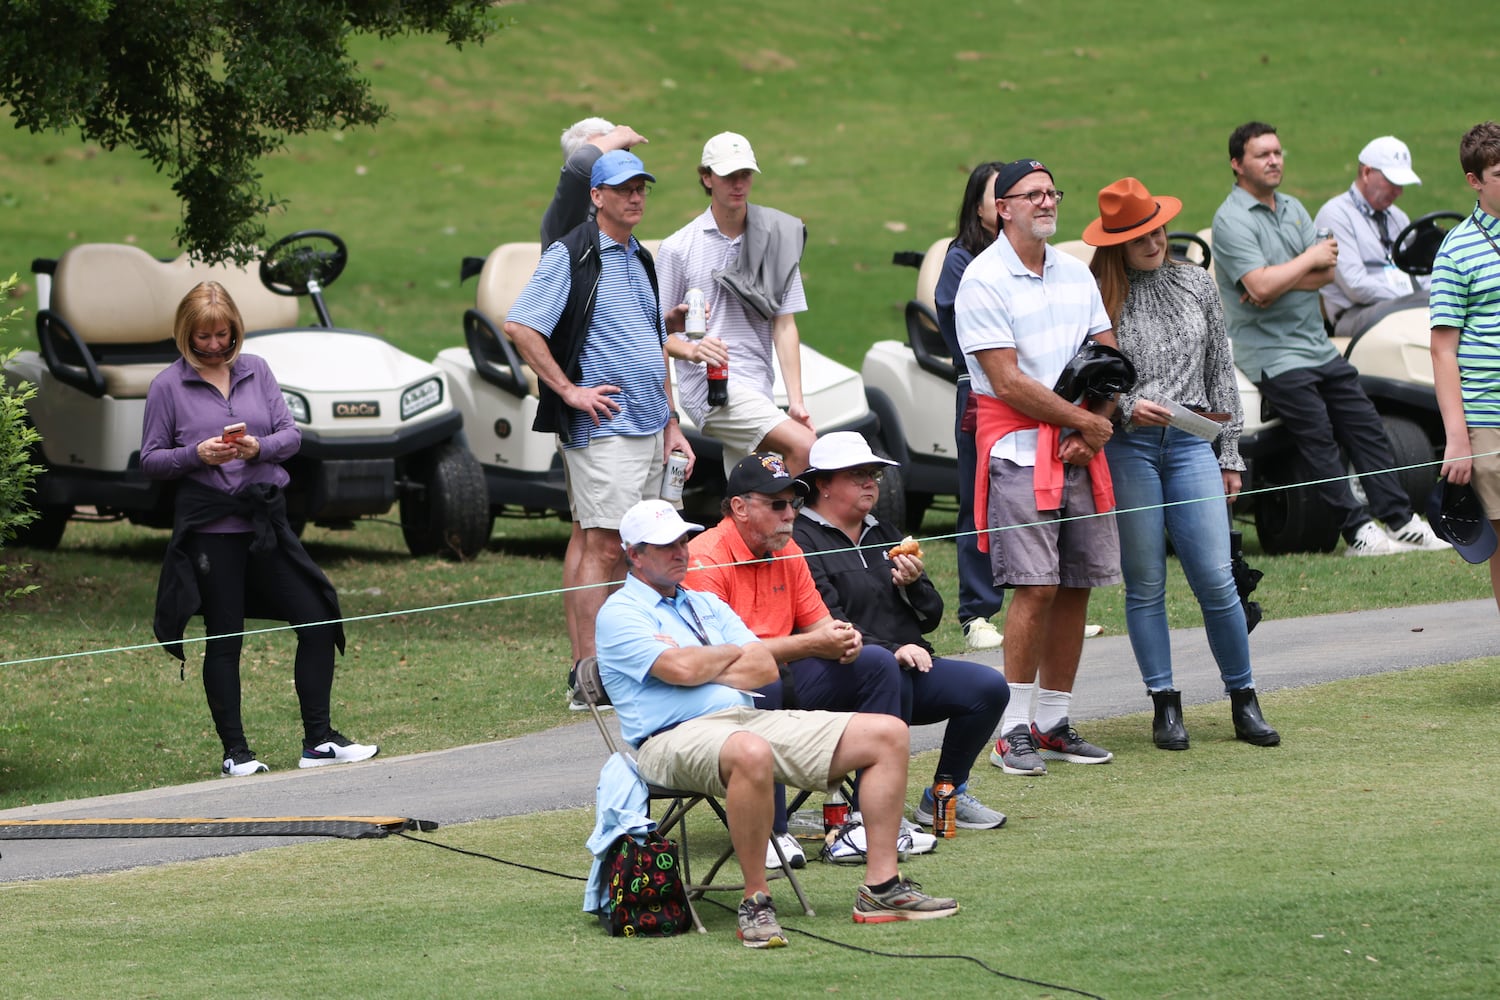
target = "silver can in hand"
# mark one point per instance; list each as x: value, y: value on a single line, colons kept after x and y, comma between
x: 674, y: 477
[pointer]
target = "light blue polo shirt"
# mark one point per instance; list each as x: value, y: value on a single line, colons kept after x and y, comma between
x: 637, y: 625
x: 624, y: 342
x: 1288, y: 334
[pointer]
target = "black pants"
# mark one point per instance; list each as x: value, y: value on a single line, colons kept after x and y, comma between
x: 1323, y: 408
x: 226, y: 571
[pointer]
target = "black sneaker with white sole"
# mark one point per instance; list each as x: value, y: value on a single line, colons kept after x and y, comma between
x: 241, y: 761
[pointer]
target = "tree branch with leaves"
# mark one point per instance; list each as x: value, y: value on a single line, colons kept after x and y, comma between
x: 206, y: 89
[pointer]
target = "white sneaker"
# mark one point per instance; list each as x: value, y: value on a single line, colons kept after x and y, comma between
x: 789, y: 846
x: 241, y: 762
x: 1417, y: 534
x: 846, y: 845
x: 1371, y: 541
x: 336, y: 748
x: 981, y: 633
x: 1089, y: 631
x: 918, y: 840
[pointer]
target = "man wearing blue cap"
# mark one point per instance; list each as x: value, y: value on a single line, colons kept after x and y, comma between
x: 589, y: 325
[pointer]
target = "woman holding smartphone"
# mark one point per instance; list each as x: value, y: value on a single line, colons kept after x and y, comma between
x: 216, y: 423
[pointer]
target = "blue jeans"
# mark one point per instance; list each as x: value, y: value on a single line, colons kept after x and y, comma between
x: 978, y: 597
x: 1152, y: 466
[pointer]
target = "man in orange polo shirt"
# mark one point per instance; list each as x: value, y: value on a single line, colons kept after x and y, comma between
x: 751, y: 563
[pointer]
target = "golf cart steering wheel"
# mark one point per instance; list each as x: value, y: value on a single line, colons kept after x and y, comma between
x: 299, y: 264
x: 1177, y: 246
x: 1416, y: 246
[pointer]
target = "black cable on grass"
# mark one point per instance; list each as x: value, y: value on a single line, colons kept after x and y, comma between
x: 490, y: 857
x: 795, y: 930
x: 891, y: 954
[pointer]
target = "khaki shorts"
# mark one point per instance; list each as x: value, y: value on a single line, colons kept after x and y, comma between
x: 742, y: 425
x: 610, y: 475
x: 1486, y: 477
x: 802, y: 746
x: 1052, y: 550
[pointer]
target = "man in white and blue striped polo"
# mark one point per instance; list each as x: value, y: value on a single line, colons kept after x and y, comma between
x: 589, y: 325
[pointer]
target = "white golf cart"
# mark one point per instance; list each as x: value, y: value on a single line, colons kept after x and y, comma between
x: 907, y: 380
x: 497, y: 393
x: 378, y: 425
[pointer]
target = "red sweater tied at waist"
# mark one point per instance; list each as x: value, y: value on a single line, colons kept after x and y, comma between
x: 995, y: 419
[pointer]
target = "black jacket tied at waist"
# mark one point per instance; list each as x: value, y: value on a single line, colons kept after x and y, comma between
x: 264, y: 506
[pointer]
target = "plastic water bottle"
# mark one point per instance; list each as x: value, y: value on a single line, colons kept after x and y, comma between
x: 835, y: 810
x: 944, y: 802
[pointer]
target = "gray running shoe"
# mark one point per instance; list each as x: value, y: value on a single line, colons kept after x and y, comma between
x: 758, y: 926
x: 903, y: 901
x: 1064, y: 743
x: 1015, y: 753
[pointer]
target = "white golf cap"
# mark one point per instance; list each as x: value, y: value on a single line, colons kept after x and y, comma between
x: 727, y: 152
x: 842, y: 450
x: 654, y: 522
x: 1390, y: 156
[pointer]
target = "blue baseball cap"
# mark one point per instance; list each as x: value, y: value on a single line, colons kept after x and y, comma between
x: 616, y: 167
x: 1457, y: 517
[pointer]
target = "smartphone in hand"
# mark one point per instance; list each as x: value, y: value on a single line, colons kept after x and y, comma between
x: 233, y: 432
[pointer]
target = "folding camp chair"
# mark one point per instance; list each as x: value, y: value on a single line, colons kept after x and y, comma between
x: 680, y: 802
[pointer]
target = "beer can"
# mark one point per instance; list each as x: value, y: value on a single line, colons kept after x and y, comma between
x: 675, y: 477
x: 695, y: 324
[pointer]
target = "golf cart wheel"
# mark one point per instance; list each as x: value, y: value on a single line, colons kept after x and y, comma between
x: 1294, y: 519
x: 451, y: 514
x: 46, y: 530
x: 890, y: 507
x: 916, y: 510
x: 1413, y: 452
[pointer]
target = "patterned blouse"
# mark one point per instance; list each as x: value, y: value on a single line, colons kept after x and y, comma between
x: 1172, y: 329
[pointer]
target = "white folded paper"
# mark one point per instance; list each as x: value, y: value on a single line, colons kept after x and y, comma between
x: 1185, y: 419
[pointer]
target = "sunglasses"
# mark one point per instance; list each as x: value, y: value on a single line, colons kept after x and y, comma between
x: 778, y: 504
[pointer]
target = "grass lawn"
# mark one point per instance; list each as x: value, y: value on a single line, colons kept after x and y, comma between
x: 1328, y: 867
x: 1358, y: 860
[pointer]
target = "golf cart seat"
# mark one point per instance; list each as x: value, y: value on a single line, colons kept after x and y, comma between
x: 922, y: 331
x: 107, y: 329
x: 502, y: 279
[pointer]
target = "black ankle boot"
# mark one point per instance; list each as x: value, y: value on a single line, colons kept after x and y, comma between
x: 1248, y: 723
x: 1167, y: 730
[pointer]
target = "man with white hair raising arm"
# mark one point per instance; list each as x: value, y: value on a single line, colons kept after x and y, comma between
x: 582, y: 144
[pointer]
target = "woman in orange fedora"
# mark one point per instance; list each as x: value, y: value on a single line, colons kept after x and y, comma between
x: 1170, y: 324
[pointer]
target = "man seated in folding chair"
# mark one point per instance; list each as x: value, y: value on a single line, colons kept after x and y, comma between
x: 679, y: 665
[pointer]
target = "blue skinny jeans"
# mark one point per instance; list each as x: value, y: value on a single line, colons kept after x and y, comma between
x: 1156, y: 466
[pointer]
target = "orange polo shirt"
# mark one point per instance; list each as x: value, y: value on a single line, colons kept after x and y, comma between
x: 774, y: 597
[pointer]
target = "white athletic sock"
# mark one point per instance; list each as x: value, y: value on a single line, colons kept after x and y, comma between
x: 1051, y: 709
x: 1018, y: 709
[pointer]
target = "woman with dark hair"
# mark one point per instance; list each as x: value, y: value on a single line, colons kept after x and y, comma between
x: 978, y: 225
x: 1170, y: 324
x: 216, y: 423
x: 869, y: 577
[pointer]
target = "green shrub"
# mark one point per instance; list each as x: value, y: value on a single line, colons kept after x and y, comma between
x: 17, y: 471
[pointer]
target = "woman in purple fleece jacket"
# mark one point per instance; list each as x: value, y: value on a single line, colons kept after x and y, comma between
x: 233, y: 553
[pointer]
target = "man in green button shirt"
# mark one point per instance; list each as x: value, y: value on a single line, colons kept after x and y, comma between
x: 1269, y: 268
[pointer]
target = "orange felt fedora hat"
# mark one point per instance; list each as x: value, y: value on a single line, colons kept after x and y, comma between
x: 1127, y: 210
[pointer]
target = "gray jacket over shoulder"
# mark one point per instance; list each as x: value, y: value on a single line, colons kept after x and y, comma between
x: 772, y: 249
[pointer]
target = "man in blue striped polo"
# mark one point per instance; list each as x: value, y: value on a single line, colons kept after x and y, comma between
x: 589, y: 325
x: 1465, y: 315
